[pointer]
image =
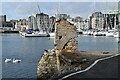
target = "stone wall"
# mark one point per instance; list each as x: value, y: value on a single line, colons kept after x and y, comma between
x: 53, y: 64
x: 65, y: 31
x: 47, y: 67
x: 63, y: 57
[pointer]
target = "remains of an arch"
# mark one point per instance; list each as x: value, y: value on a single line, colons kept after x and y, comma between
x: 65, y: 35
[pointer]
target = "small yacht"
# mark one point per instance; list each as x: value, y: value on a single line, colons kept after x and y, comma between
x: 109, y: 34
x: 103, y: 33
x: 35, y: 34
x: 117, y: 34
x: 95, y: 33
x: 85, y: 32
x: 52, y: 34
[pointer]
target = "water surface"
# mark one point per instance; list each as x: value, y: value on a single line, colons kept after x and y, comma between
x: 30, y: 49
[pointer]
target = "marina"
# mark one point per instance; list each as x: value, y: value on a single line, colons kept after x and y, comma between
x: 102, y: 33
x: 24, y: 48
x: 115, y: 34
x: 57, y: 40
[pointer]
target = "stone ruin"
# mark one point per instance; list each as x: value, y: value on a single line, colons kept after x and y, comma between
x: 65, y: 36
x: 62, y: 58
x: 65, y: 57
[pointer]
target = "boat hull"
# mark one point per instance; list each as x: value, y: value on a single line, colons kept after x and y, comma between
x: 117, y: 35
x: 36, y: 35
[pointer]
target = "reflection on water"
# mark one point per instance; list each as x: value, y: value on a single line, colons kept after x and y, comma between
x: 29, y: 51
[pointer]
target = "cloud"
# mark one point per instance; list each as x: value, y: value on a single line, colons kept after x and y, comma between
x: 19, y: 10
x: 26, y: 8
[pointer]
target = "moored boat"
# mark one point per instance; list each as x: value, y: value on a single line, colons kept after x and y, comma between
x: 109, y: 34
x: 36, y: 35
x: 52, y: 34
x: 117, y: 34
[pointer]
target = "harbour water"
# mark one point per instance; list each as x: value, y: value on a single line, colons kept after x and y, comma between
x: 30, y: 49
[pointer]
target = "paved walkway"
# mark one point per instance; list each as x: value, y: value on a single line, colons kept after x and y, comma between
x: 103, y: 69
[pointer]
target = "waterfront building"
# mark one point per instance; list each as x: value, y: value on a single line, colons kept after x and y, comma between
x: 0, y: 24
x: 97, y: 21
x: 35, y: 27
x: 81, y: 24
x: 13, y: 23
x: 21, y: 24
x: 78, y: 19
x: 70, y: 19
x: 93, y: 22
x: 119, y: 22
x: 86, y: 24
x: 78, y: 22
x: 42, y: 21
x: 7, y: 26
x: 52, y: 24
x: 90, y: 22
x: 101, y: 21
x: 110, y: 21
x: 32, y: 23
x: 2, y: 18
x: 61, y: 16
x: 114, y: 12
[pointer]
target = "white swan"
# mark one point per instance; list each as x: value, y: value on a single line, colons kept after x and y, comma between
x: 16, y: 61
x: 7, y: 60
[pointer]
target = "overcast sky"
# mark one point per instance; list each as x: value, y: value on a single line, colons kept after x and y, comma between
x: 20, y: 10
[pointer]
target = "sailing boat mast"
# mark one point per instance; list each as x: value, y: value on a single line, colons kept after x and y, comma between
x: 38, y: 7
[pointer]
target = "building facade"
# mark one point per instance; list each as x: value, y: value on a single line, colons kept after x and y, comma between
x: 61, y: 16
x: 5, y: 25
x: 78, y: 19
x: 101, y: 21
x: 21, y: 24
x: 52, y: 24
x: 2, y: 18
x: 42, y: 22
x: 97, y: 21
x: 13, y: 23
x: 32, y: 23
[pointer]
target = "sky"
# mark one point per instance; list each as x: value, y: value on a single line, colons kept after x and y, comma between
x: 59, y: 0
x: 21, y: 10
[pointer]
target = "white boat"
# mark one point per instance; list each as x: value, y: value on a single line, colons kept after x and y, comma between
x: 22, y: 33
x: 85, y: 32
x: 89, y: 32
x: 79, y: 30
x: 92, y: 32
x: 117, y: 34
x: 35, y: 35
x: 95, y: 33
x: 100, y: 33
x: 109, y: 34
x: 103, y: 33
x: 52, y: 34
